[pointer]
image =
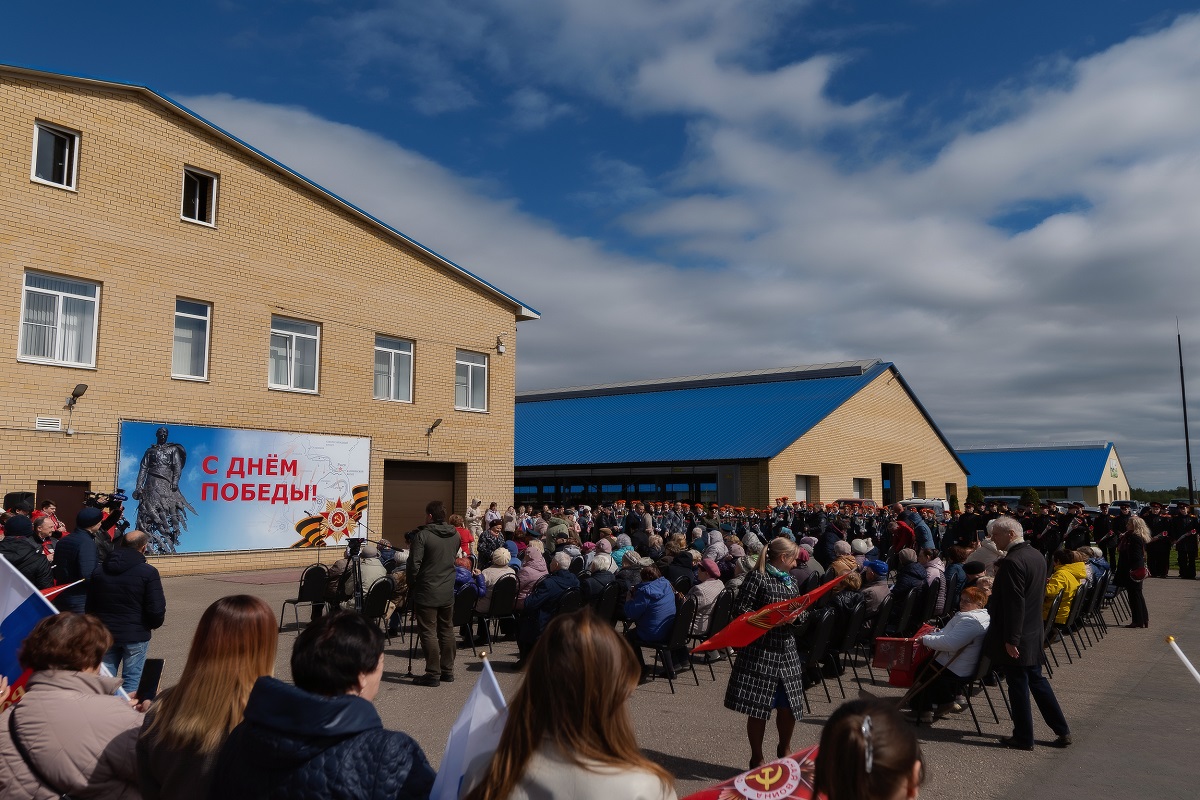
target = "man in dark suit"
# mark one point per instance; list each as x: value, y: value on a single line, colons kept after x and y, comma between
x: 1014, y: 637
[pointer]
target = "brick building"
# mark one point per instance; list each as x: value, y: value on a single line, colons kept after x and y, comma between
x: 187, y: 278
x: 816, y: 432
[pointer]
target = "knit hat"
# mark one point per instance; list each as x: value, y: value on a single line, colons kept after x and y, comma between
x: 861, y: 546
x: 501, y: 557
x: 88, y: 517
x: 802, y: 555
x: 18, y: 525
x: 908, y: 555
x: 369, y: 550
x: 808, y: 540
x: 974, y: 567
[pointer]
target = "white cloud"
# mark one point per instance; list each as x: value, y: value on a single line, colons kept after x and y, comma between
x: 1062, y: 332
x: 533, y: 109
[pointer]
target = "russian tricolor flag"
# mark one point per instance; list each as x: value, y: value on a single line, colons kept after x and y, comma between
x: 22, y: 606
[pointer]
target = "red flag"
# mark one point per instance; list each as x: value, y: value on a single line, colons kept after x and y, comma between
x: 789, y: 778
x: 753, y: 624
x: 51, y: 592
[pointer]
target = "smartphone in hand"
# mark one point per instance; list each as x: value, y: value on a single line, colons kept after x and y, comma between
x: 151, y: 674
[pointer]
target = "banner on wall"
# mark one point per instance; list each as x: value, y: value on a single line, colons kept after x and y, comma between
x: 198, y: 489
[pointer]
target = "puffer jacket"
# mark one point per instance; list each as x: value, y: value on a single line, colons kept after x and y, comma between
x: 1065, y: 579
x: 292, y: 745
x: 909, y: 577
x: 126, y: 594
x: 27, y: 557
x: 652, y: 609
x: 79, y: 736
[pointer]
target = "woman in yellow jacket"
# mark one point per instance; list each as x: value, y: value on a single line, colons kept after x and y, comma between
x: 1067, y: 577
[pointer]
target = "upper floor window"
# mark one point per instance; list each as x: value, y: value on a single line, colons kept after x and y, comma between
x: 470, y: 380
x: 189, y: 354
x: 199, y: 196
x: 58, y: 320
x: 55, y: 155
x: 295, y: 347
x: 393, y: 369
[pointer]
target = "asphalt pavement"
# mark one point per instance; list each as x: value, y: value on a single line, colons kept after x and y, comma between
x: 1130, y: 703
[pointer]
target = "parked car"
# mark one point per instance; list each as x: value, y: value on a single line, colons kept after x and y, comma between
x: 941, y: 508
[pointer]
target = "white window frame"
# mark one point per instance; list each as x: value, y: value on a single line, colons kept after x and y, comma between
x: 394, y: 353
x: 207, y: 337
x: 291, y: 357
x: 58, y: 338
x: 212, y: 205
x: 61, y: 131
x: 472, y: 366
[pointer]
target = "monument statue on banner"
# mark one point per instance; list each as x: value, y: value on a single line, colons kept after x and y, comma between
x: 162, y: 508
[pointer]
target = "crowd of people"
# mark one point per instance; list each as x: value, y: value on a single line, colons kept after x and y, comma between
x: 229, y: 728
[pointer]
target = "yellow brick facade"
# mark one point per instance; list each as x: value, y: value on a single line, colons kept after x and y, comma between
x: 880, y: 424
x: 279, y: 247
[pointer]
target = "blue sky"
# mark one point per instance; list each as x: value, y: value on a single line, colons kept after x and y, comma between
x: 1001, y: 198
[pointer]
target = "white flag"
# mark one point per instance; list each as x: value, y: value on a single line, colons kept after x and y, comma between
x: 474, y: 735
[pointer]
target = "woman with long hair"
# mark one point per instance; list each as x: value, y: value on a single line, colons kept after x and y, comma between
x: 868, y: 752
x: 1131, y: 560
x: 234, y: 645
x: 768, y: 674
x: 572, y: 737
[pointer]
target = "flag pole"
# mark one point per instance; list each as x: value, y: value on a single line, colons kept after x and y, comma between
x: 1183, y: 658
x: 1187, y: 441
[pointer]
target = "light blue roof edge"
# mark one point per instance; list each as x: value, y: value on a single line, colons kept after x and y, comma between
x: 525, y: 310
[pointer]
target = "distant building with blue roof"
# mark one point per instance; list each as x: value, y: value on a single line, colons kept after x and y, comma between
x: 1089, y: 472
x: 814, y: 432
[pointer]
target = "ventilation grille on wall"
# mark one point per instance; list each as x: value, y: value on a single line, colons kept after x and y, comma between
x: 48, y: 424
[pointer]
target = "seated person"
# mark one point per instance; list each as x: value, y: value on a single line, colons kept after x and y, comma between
x: 958, y: 647
x: 1067, y: 577
x: 598, y: 576
x: 909, y: 575
x: 843, y: 561
x: 706, y: 593
x: 543, y: 601
x: 874, y: 585
x: 324, y: 731
x: 651, y: 610
x: 372, y: 570
x: 804, y: 568
x: 973, y: 570
x: 864, y: 550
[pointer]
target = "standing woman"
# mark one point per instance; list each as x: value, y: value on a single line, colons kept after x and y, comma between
x: 768, y: 674
x: 234, y: 645
x: 572, y: 738
x: 1131, y: 557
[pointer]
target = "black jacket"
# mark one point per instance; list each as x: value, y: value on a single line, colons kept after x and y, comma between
x: 592, y: 584
x: 1016, y: 607
x: 28, y: 559
x: 127, y: 595
x: 292, y: 745
x: 76, y: 557
x: 681, y: 566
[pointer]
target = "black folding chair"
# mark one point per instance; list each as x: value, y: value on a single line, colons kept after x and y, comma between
x: 576, y: 566
x: 502, y: 606
x: 606, y: 603
x: 569, y: 602
x: 813, y: 649
x: 718, y: 618
x: 929, y: 602
x: 842, y: 647
x: 680, y: 630
x: 376, y: 602
x: 981, y: 672
x: 1066, y: 629
x: 464, y: 611
x: 683, y: 584
x: 908, y: 611
x: 311, y: 592
x: 878, y: 628
x: 1047, y: 644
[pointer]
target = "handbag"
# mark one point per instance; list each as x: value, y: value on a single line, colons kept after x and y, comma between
x: 1140, y: 574
x: 24, y: 754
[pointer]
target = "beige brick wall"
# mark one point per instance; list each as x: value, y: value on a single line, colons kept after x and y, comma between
x: 879, y: 425
x: 277, y: 248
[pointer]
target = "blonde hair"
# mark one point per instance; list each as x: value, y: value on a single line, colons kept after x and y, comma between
x: 779, y: 546
x: 1138, y: 525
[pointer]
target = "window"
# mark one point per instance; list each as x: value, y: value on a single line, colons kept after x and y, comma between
x: 294, y: 350
x: 393, y: 369
x: 189, y: 355
x: 58, y: 321
x: 862, y: 488
x: 470, y: 381
x: 55, y: 155
x: 918, y: 489
x: 199, y: 196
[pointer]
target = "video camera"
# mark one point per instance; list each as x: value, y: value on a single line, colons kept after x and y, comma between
x: 110, y: 500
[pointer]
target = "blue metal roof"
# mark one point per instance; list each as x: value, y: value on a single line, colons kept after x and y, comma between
x: 1063, y: 466
x: 707, y: 423
x: 525, y: 312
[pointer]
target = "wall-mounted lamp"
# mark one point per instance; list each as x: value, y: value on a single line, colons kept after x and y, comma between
x: 500, y: 344
x: 429, y: 436
x: 76, y: 393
